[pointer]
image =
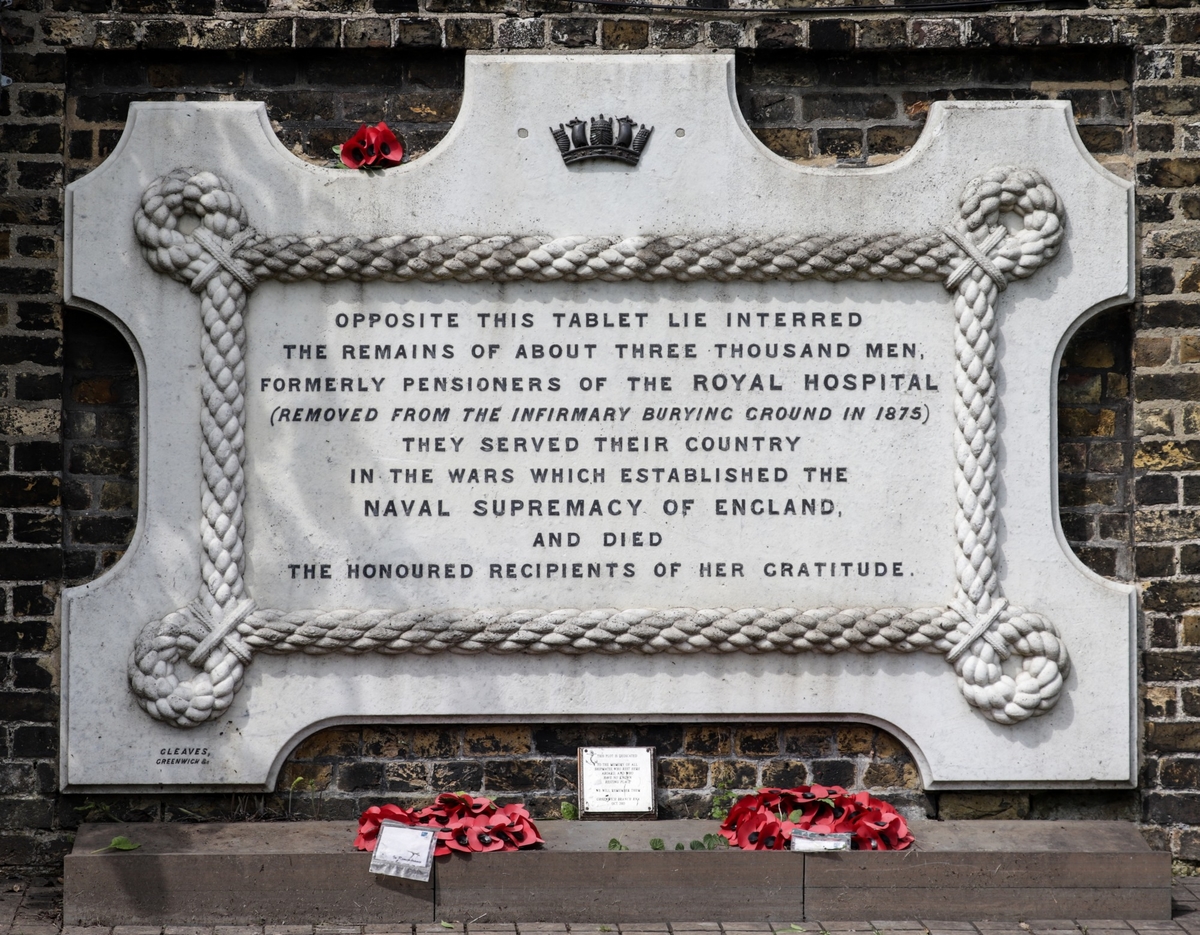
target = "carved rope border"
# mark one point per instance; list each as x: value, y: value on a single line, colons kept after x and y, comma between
x: 223, y: 259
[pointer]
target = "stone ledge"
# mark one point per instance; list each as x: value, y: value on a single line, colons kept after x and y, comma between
x: 308, y: 872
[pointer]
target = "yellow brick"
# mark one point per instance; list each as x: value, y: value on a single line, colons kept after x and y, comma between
x: 335, y: 741
x: 953, y: 805
x: 1080, y: 389
x: 886, y: 746
x: 880, y: 775
x: 1079, y: 422
x: 1163, y: 457
x: 1095, y: 354
x: 30, y: 421
x: 299, y: 778
x: 1191, y: 419
x: 1154, y: 421
x: 500, y: 739
x: 385, y: 741
x: 1149, y: 352
x: 855, y: 738
x: 437, y: 743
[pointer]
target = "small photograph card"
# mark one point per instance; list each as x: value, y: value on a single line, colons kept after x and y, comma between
x: 404, y: 851
x: 811, y: 841
x: 616, y: 782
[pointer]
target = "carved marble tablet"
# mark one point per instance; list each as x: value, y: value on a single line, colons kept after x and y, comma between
x: 598, y: 410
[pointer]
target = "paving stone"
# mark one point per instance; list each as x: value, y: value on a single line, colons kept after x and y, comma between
x: 35, y: 915
x: 541, y: 928
x: 196, y: 929
x: 499, y: 927
x: 137, y: 930
x: 89, y: 930
x: 299, y: 929
x: 42, y: 895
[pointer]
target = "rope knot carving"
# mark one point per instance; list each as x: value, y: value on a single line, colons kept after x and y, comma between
x: 193, y: 257
x: 222, y: 259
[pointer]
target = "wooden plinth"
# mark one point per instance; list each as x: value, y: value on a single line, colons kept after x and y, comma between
x: 308, y: 872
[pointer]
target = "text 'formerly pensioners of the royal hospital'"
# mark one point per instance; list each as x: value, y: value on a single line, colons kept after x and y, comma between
x: 740, y: 372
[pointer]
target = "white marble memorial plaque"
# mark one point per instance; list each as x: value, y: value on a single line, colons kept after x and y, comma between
x: 616, y: 781
x: 584, y: 417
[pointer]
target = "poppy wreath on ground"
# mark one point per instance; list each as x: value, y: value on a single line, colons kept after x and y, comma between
x: 463, y: 823
x: 371, y: 148
x: 765, y: 821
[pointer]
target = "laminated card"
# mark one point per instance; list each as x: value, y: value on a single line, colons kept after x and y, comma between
x: 598, y: 411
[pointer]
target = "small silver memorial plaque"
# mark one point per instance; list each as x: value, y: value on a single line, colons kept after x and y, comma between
x: 616, y: 782
x: 812, y: 841
x: 404, y: 851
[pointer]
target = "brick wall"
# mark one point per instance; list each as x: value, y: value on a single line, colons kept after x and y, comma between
x: 818, y: 88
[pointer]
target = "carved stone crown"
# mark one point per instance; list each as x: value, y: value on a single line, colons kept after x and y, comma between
x: 576, y: 146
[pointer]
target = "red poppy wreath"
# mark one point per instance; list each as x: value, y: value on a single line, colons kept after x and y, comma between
x: 371, y: 148
x: 464, y: 823
x: 765, y: 822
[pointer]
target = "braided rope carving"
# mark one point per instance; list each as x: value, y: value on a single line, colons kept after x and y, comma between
x: 223, y: 258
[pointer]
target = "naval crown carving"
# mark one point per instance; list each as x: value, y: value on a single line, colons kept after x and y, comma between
x: 578, y: 145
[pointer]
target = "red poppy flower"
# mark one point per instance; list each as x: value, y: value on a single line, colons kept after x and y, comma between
x: 765, y: 821
x: 476, y: 833
x: 881, y: 829
x: 463, y: 823
x: 373, y: 817
x: 372, y: 146
x: 390, y: 149
x: 518, y: 827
